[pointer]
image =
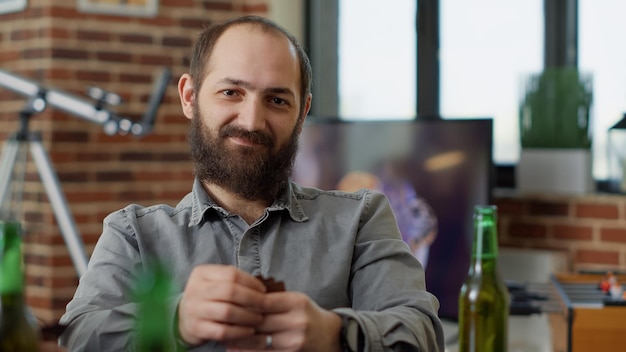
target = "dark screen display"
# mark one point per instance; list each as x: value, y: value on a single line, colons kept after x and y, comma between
x: 433, y: 171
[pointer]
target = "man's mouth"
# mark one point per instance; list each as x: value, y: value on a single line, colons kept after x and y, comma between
x: 246, y: 138
x: 244, y: 141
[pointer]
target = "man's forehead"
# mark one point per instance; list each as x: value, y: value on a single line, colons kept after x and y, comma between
x: 239, y: 40
x: 246, y: 29
x: 238, y: 33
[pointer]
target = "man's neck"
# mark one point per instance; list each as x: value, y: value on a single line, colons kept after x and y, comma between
x: 249, y: 210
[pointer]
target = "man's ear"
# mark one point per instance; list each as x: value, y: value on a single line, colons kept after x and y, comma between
x: 187, y: 94
x: 307, y: 105
x: 305, y: 113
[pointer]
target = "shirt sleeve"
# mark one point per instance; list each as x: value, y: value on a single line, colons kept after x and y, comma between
x: 387, y: 290
x: 101, y: 316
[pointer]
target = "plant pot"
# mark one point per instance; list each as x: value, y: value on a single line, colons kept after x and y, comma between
x: 550, y: 170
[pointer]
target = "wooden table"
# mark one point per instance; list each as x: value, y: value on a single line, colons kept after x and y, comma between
x: 586, y: 322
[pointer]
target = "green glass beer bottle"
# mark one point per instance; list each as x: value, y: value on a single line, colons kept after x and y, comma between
x: 18, y: 328
x: 154, y: 332
x: 484, y: 298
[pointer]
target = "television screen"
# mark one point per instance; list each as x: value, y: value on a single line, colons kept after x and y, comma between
x: 432, y: 171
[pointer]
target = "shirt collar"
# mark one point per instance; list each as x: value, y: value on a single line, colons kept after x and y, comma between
x: 286, y: 200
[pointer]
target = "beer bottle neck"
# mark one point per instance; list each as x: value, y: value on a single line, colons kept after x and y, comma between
x: 11, y: 261
x: 485, y: 244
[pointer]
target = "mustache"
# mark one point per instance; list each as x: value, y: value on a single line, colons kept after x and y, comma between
x: 255, y: 137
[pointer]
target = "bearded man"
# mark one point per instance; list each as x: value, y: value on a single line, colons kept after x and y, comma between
x: 351, y: 283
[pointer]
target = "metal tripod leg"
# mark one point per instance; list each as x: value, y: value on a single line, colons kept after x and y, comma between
x: 51, y: 183
x: 9, y: 155
x: 59, y: 205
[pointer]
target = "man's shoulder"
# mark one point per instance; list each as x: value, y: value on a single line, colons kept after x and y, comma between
x: 312, y: 193
x: 138, y: 211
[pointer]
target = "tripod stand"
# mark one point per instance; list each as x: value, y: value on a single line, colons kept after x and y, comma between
x: 25, y: 139
x: 32, y: 141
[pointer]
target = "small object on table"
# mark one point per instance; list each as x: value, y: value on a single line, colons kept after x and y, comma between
x: 607, y: 282
x: 616, y: 291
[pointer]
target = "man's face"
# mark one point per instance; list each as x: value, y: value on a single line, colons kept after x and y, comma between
x: 245, y: 122
x: 251, y: 173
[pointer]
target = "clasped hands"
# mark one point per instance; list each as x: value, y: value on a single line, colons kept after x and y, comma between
x: 222, y: 303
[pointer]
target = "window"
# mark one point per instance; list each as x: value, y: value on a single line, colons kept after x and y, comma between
x: 487, y: 48
x: 602, y: 52
x: 377, y: 49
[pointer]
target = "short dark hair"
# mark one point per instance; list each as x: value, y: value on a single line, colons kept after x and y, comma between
x: 205, y: 43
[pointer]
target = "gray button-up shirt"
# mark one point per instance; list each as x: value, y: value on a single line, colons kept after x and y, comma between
x: 342, y: 249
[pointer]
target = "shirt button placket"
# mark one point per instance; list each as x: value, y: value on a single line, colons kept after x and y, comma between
x: 249, y: 251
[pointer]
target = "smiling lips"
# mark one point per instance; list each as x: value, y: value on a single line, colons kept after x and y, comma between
x: 246, y: 138
x: 244, y: 141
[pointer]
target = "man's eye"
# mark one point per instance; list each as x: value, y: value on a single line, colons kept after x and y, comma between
x: 278, y: 101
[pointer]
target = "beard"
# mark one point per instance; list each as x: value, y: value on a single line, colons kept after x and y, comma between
x: 252, y: 173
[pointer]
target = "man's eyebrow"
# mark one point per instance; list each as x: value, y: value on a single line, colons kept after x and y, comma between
x: 236, y: 82
x: 280, y: 90
x: 246, y: 84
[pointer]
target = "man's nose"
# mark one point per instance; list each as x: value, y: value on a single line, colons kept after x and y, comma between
x: 252, y: 116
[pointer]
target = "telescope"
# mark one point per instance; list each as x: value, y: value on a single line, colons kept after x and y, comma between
x: 96, y: 111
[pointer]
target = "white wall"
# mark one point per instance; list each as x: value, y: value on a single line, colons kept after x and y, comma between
x: 289, y: 14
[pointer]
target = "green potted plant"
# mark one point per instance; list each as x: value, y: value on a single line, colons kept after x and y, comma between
x: 554, y: 120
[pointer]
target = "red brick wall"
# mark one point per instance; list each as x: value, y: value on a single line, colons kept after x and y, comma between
x: 590, y: 229
x: 52, y: 43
